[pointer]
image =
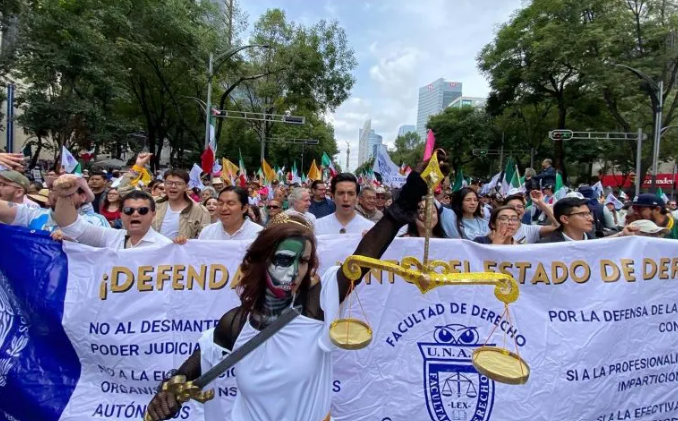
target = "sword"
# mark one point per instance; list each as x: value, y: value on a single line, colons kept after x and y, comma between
x: 184, y: 390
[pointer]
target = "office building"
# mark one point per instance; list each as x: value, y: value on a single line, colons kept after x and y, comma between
x: 368, y: 142
x: 433, y: 98
x: 406, y: 128
x: 469, y: 101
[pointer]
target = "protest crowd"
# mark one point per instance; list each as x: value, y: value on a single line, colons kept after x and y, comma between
x: 133, y: 209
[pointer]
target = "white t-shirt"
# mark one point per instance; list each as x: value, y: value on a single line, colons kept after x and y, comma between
x: 527, y: 234
x: 330, y: 225
x: 95, y: 236
x: 308, y: 215
x: 288, y: 378
x: 215, y: 231
x: 41, y: 219
x: 170, y: 224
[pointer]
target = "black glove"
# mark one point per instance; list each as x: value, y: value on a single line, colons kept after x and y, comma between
x: 404, y: 209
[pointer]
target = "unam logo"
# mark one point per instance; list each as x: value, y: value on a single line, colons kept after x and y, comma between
x: 13, y: 330
x: 455, y: 391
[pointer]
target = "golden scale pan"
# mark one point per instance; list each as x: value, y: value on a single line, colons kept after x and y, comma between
x: 350, y: 333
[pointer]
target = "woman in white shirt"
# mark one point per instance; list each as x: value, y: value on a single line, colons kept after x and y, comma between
x: 290, y: 378
x: 233, y: 223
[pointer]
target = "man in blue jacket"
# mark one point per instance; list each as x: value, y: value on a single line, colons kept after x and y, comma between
x: 548, y: 175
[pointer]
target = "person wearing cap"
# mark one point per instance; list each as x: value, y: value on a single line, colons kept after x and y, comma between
x: 41, y: 198
x: 43, y: 219
x: 647, y: 228
x: 14, y: 188
x: 576, y: 222
x: 218, y: 184
x: 651, y: 207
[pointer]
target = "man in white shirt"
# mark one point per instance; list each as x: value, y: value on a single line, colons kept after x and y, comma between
x: 345, y: 220
x: 43, y: 219
x: 300, y: 202
x: 233, y: 223
x: 138, y: 211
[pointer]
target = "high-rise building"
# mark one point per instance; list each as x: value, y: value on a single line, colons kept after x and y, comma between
x: 433, y: 98
x: 368, y: 143
x: 406, y: 128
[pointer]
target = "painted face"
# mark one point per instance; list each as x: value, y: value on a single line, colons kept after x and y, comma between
x: 288, y: 267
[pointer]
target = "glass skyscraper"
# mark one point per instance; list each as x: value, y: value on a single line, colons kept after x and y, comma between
x: 433, y: 98
x: 368, y: 142
x: 406, y: 128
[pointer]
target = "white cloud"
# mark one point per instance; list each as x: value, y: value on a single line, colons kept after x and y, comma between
x: 402, y: 45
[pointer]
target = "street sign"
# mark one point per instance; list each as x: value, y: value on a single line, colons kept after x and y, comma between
x: 561, y: 134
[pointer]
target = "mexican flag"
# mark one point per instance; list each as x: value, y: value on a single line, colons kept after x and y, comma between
x: 663, y: 195
x: 560, y: 189
x: 243, y: 171
x: 327, y: 163
x: 511, y: 178
x: 459, y: 182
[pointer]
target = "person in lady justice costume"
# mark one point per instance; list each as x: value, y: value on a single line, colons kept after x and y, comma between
x: 289, y: 377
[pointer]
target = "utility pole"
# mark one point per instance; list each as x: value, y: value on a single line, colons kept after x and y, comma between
x: 562, y: 135
x: 348, y: 154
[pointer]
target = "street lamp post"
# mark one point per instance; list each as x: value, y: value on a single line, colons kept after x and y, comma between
x: 210, y: 74
x: 656, y: 92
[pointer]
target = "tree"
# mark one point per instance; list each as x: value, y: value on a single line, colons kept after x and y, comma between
x: 307, y: 70
x: 409, y: 149
x: 459, y: 130
x: 64, y: 59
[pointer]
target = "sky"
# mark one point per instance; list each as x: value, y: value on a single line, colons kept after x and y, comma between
x: 400, y: 45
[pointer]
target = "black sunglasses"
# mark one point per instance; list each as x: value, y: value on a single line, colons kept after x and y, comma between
x: 272, y: 207
x: 129, y: 211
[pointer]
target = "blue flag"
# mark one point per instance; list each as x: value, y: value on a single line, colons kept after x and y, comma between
x: 39, y: 368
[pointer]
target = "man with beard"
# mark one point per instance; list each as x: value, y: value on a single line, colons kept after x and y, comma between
x: 43, y: 219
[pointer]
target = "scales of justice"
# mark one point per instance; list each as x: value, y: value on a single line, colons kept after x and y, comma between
x: 498, y: 364
x: 349, y: 333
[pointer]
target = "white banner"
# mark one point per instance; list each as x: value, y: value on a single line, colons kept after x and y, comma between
x: 596, y: 321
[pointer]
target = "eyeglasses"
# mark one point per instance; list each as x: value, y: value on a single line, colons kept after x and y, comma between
x: 272, y: 207
x: 508, y: 219
x: 584, y: 214
x: 129, y: 211
x: 175, y: 183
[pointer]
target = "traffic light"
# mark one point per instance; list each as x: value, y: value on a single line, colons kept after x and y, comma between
x: 561, y: 135
x: 291, y: 119
x: 480, y: 152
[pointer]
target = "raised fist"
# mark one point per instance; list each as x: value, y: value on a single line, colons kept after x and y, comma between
x: 143, y: 158
x: 66, y: 185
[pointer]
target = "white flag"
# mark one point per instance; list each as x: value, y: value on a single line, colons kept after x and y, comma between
x: 194, y: 177
x: 616, y: 202
x: 390, y: 172
x: 68, y: 162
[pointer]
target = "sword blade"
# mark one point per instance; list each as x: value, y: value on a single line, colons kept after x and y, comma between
x: 210, y: 375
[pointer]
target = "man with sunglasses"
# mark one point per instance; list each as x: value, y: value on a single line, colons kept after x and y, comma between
x: 138, y: 211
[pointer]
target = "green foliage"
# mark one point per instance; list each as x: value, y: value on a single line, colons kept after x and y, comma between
x: 409, y: 149
x: 558, y: 56
x: 97, y: 71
